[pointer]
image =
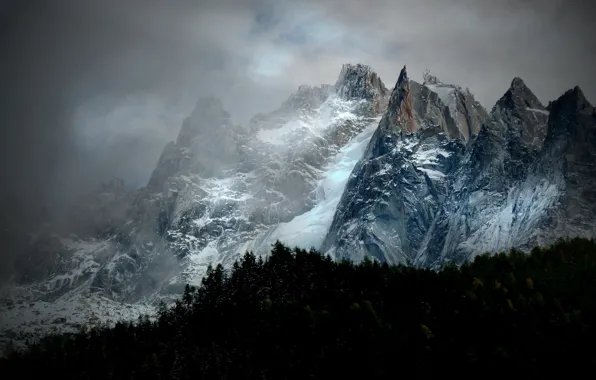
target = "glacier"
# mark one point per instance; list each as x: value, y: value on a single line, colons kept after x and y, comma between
x: 308, y: 230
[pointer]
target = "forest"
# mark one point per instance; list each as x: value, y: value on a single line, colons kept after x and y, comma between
x: 297, y: 314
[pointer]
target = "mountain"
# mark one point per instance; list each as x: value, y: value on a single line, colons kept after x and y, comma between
x: 421, y: 195
x: 420, y: 174
x: 216, y: 191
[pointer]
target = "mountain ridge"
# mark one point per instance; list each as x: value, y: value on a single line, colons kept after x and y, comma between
x: 418, y: 174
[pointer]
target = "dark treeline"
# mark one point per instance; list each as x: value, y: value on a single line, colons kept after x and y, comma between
x: 300, y: 315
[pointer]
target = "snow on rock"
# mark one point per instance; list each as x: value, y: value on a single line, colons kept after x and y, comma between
x: 308, y: 230
x: 23, y: 322
x: 544, y: 112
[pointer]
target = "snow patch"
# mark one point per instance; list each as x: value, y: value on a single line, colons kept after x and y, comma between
x: 30, y: 321
x: 429, y: 156
x: 544, y: 112
x: 432, y: 174
x: 446, y: 93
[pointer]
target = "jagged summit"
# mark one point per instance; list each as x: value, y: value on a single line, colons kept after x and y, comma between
x: 400, y: 110
x: 517, y: 82
x: 209, y: 106
x: 351, y: 74
x: 464, y: 116
x: 519, y: 114
x: 358, y: 81
x: 570, y: 113
x: 114, y: 184
x: 520, y: 96
x: 208, y: 113
x: 307, y: 97
x: 430, y: 79
x: 572, y: 100
x: 403, y: 75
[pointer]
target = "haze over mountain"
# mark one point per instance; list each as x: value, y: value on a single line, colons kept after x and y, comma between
x: 414, y: 170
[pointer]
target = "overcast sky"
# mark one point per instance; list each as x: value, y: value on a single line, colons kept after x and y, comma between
x: 94, y: 89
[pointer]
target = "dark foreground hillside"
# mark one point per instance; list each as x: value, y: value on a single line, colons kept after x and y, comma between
x: 299, y: 315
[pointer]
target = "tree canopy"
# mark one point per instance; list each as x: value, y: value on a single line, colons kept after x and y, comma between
x: 297, y: 314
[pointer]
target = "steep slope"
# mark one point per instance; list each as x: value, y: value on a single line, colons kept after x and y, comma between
x: 467, y: 114
x: 502, y: 201
x: 284, y: 162
x: 496, y: 161
x: 399, y: 185
x: 427, y: 193
x: 566, y: 169
x: 216, y: 191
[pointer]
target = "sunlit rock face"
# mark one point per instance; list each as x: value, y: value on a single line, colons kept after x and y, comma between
x: 399, y: 185
x: 419, y: 174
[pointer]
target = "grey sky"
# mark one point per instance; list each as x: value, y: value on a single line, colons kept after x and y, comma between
x: 94, y: 89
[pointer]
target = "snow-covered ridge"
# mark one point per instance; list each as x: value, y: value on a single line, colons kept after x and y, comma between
x: 213, y: 219
x: 311, y: 124
x: 308, y: 230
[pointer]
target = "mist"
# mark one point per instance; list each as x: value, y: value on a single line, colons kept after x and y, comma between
x: 95, y: 89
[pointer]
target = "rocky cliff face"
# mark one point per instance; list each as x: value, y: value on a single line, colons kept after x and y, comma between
x: 475, y: 215
x: 429, y: 193
x: 399, y: 185
x: 465, y: 112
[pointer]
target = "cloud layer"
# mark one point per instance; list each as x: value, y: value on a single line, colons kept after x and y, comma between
x: 94, y: 89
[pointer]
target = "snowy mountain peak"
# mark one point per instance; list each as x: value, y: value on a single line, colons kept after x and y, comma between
x: 464, y: 115
x: 358, y: 81
x: 113, y: 185
x: 430, y: 79
x: 307, y: 97
x: 351, y: 75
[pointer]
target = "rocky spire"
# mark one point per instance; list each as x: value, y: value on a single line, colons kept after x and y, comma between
x: 570, y: 114
x: 207, y: 115
x: 205, y: 143
x: 519, y: 96
x: 399, y: 112
x: 571, y: 102
x: 397, y: 118
x: 358, y: 81
x: 520, y: 113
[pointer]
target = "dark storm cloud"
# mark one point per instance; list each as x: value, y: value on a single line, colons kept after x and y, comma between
x: 94, y: 89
